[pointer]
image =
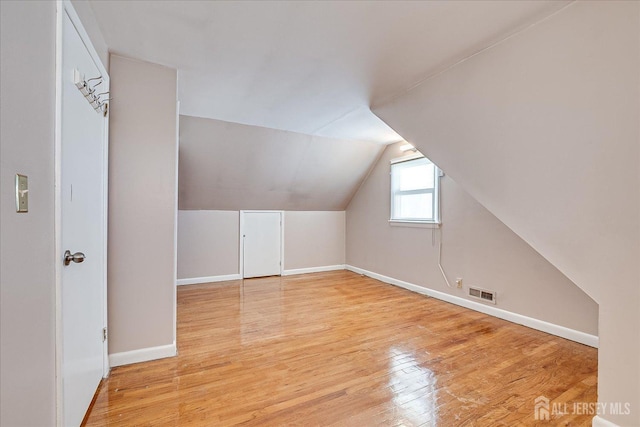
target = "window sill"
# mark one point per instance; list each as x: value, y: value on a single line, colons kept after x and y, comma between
x: 415, y: 224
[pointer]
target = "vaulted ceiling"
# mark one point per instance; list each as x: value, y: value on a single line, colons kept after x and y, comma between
x: 229, y: 166
x: 311, y: 67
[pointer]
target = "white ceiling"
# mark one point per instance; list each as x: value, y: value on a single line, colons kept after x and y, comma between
x: 312, y: 67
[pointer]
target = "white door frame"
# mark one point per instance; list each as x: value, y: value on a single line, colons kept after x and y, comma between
x: 62, y: 7
x: 241, y: 246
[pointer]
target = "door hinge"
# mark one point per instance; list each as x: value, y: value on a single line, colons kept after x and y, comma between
x: 104, y: 334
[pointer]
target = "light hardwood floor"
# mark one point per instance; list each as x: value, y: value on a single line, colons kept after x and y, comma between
x: 340, y: 349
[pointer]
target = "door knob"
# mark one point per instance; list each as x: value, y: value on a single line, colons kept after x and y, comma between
x: 78, y: 257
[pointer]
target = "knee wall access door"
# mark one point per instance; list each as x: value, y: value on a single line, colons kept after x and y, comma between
x: 261, y: 243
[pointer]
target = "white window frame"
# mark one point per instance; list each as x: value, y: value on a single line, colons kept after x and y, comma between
x: 422, y: 223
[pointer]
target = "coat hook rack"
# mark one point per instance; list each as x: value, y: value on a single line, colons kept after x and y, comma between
x: 88, y: 91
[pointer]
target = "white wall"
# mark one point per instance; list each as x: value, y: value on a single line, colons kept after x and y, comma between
x: 313, y: 239
x: 543, y: 130
x: 142, y: 205
x: 27, y: 276
x: 208, y: 242
x: 476, y: 247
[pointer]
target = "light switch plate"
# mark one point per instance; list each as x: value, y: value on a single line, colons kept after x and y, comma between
x: 22, y: 193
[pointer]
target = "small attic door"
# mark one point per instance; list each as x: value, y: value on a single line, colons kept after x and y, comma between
x: 261, y: 243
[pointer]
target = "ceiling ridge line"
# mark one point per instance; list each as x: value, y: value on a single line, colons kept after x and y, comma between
x: 338, y: 118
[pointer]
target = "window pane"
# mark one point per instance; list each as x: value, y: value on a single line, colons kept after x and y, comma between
x: 416, y: 177
x: 414, y: 190
x: 414, y: 206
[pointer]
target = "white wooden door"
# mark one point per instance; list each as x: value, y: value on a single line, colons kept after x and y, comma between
x: 82, y: 229
x: 262, y: 234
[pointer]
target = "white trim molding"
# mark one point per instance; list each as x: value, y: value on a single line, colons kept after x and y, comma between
x: 176, y: 210
x: 312, y: 270
x: 414, y: 224
x: 598, y: 421
x: 207, y: 279
x: 142, y: 355
x: 540, y: 325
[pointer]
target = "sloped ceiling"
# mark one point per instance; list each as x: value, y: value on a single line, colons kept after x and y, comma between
x: 229, y: 166
x: 313, y: 67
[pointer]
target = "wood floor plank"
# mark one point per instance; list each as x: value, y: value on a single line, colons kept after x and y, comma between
x: 340, y: 349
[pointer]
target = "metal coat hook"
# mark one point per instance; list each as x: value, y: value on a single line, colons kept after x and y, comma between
x: 89, y: 91
x: 95, y: 78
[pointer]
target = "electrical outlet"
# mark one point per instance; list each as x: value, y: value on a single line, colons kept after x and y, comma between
x: 459, y: 283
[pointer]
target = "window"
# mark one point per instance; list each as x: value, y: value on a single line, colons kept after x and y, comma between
x: 414, y: 191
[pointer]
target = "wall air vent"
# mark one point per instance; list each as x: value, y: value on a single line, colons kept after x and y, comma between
x: 483, y: 294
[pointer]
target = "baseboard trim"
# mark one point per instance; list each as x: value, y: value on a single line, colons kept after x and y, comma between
x: 312, y: 269
x: 208, y: 279
x: 540, y: 325
x: 598, y: 421
x: 142, y: 355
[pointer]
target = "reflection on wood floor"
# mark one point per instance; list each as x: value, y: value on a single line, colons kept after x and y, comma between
x: 340, y: 349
